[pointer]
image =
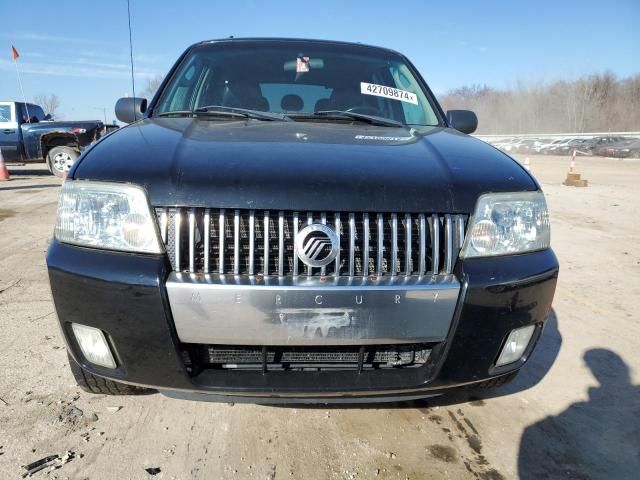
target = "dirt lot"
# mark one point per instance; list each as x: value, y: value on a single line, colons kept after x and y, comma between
x: 573, y: 412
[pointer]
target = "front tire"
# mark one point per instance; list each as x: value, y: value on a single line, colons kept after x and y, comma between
x: 93, y: 384
x: 60, y: 159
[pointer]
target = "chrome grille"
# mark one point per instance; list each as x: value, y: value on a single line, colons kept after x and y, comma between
x: 261, y: 242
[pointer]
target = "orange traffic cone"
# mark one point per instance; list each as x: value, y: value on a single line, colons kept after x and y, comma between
x: 573, y: 178
x: 4, y: 172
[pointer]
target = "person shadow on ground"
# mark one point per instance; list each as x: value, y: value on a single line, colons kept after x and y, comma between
x: 595, y: 439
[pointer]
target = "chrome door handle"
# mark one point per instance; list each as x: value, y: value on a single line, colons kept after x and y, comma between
x: 8, y: 131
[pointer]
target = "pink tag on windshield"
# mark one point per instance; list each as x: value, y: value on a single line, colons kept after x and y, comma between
x: 302, y: 64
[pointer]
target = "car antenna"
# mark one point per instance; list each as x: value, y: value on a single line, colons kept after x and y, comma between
x: 133, y: 81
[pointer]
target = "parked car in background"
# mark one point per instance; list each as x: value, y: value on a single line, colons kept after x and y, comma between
x: 596, y: 143
x: 544, y: 148
x: 568, y: 147
x: 622, y: 149
x: 500, y: 143
x: 28, y: 135
x: 509, y: 145
x: 527, y: 145
x: 553, y: 149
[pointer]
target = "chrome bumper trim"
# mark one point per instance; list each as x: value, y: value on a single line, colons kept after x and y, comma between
x: 243, y: 310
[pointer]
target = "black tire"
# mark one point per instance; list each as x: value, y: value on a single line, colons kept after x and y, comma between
x: 93, y: 384
x: 497, y: 381
x: 60, y: 159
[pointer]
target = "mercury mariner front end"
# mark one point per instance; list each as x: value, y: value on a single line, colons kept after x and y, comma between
x: 303, y: 306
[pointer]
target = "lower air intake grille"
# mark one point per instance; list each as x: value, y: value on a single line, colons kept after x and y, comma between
x: 309, y: 358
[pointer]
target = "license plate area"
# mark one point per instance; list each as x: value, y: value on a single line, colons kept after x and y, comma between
x: 241, y: 311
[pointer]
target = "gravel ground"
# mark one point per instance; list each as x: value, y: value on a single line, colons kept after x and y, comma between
x: 573, y: 412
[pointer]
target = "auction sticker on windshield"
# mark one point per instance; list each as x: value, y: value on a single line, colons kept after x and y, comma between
x: 388, y: 92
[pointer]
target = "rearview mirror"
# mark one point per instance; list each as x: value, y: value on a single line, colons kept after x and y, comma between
x: 130, y: 109
x: 464, y: 121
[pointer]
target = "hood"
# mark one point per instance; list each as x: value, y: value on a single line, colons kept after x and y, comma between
x: 302, y: 166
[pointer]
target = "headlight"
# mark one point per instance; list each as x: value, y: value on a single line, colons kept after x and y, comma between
x: 105, y: 215
x: 507, y: 223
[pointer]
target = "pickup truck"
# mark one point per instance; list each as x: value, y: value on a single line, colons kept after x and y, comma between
x: 28, y: 135
x: 298, y: 221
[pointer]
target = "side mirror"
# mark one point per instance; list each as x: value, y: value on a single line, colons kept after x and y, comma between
x: 47, y: 117
x: 130, y: 109
x: 464, y: 121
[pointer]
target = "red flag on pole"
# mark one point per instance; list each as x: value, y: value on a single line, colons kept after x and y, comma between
x: 14, y: 53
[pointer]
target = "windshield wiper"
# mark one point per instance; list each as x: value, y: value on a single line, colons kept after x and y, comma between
x: 176, y: 113
x: 342, y: 114
x: 239, y: 112
x: 222, y: 111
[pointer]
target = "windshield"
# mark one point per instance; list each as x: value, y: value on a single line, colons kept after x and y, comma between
x: 299, y: 78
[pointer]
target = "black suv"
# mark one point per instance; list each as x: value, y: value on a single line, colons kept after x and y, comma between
x: 298, y: 221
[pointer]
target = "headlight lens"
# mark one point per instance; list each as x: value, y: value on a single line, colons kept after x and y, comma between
x: 106, y: 215
x: 507, y: 223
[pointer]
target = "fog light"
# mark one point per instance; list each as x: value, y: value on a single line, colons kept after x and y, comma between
x: 94, y: 345
x: 515, y: 345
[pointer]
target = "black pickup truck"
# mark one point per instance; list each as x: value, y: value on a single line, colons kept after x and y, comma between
x: 28, y: 135
x: 298, y: 221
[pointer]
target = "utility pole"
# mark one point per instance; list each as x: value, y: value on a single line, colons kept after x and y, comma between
x: 104, y: 112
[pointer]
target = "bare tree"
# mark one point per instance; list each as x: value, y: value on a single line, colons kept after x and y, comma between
x: 595, y: 102
x: 153, y: 84
x: 48, y: 102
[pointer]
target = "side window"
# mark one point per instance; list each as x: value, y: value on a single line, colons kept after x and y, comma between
x: 413, y: 114
x: 36, y: 112
x: 21, y: 112
x: 7, y: 115
x: 180, y: 97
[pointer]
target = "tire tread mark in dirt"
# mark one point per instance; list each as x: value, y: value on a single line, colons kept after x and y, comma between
x: 485, y: 471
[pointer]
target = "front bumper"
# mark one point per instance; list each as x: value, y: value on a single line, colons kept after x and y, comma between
x: 126, y: 296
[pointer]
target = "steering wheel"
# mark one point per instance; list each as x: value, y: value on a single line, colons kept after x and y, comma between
x: 365, y: 109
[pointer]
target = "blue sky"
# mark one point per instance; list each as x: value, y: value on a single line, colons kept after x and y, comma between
x: 80, y: 50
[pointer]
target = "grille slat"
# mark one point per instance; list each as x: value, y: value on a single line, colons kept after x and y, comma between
x: 407, y: 247
x: 281, y: 243
x: 207, y: 239
x: 296, y: 227
x: 435, y: 244
x: 221, y: 235
x: 178, y: 232
x: 365, y: 244
x: 252, y: 240
x: 163, y: 224
x: 309, y: 222
x: 248, y: 242
x: 394, y: 244
x: 448, y: 238
x: 380, y: 259
x: 266, y: 234
x: 422, y: 243
x: 323, y: 220
x: 192, y: 240
x: 338, y: 229
x: 352, y: 244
